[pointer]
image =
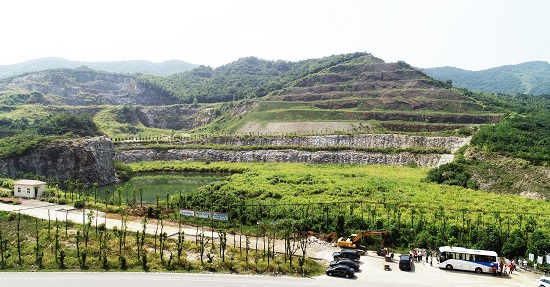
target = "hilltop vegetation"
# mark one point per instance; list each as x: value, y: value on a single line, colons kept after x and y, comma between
x: 526, y: 78
x: 19, y: 135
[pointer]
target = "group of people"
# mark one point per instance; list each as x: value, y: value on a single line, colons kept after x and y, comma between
x: 502, y: 268
x: 418, y: 255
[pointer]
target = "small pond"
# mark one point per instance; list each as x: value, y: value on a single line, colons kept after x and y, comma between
x: 153, y: 183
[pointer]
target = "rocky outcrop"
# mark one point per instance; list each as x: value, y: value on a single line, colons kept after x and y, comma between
x: 175, y: 117
x: 326, y: 157
x: 86, y: 160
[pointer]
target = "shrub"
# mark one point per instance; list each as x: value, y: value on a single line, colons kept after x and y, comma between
x: 5, y: 193
x: 451, y: 174
x: 79, y: 203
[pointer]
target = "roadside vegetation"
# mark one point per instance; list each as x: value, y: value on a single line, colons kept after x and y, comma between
x: 28, y: 243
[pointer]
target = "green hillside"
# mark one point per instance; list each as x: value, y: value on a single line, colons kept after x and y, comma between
x: 526, y: 78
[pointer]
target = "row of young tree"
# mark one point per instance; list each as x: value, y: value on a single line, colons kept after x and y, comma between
x: 510, y: 234
x: 410, y: 225
x: 32, y: 243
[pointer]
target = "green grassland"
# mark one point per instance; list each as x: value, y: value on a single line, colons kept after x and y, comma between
x: 375, y: 185
x: 338, y: 200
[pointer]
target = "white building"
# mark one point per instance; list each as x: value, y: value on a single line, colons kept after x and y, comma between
x: 28, y: 188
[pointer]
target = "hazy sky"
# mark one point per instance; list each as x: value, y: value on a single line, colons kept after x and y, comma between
x: 473, y: 34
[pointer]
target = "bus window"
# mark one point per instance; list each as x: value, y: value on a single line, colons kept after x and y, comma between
x: 459, y: 256
x: 471, y: 257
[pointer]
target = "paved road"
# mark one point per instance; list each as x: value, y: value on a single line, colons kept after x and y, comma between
x: 389, y: 279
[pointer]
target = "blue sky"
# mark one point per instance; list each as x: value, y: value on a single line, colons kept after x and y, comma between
x: 468, y: 34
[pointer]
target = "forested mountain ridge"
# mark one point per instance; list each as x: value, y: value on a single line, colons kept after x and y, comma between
x: 245, y: 78
x: 128, y: 67
x: 526, y: 78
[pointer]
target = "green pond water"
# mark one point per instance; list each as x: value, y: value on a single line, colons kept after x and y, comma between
x: 151, y: 184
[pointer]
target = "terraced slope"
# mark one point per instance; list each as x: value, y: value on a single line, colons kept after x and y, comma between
x: 373, y: 94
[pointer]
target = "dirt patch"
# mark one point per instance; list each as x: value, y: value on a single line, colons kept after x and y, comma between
x: 7, y: 200
x: 302, y: 127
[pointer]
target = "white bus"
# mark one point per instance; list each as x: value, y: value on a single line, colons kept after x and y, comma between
x: 461, y: 258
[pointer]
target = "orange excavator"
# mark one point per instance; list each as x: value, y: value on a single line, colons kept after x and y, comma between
x: 353, y: 240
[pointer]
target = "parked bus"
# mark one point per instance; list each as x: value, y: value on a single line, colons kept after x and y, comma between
x: 461, y: 258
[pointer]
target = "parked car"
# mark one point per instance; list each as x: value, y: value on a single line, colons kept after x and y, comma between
x: 543, y: 281
x: 346, y: 253
x: 405, y: 262
x: 340, y: 270
x: 347, y: 262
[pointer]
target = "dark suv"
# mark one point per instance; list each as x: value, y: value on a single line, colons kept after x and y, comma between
x: 346, y: 253
x: 405, y: 262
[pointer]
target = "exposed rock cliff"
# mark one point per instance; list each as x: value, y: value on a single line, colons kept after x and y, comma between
x: 288, y: 155
x: 339, y: 157
x: 175, y: 117
x: 86, y: 160
x: 360, y: 140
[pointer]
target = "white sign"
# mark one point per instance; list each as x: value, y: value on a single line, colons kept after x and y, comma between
x: 187, y: 212
x: 547, y: 258
x: 220, y: 216
x: 539, y: 259
x: 531, y: 256
x: 203, y: 214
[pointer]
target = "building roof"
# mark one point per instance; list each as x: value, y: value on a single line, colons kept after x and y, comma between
x: 29, y: 182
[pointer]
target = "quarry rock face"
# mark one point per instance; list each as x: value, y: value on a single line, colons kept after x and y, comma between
x: 359, y: 140
x: 86, y: 160
x: 318, y: 157
x: 340, y: 156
